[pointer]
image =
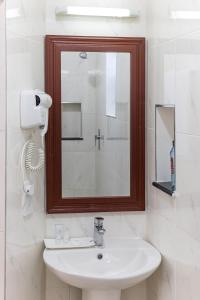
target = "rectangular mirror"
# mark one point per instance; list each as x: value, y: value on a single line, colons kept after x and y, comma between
x: 95, y: 142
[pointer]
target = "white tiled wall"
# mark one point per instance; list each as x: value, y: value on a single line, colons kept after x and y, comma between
x: 173, y: 223
x: 2, y: 147
x: 95, y: 26
x: 24, y: 235
x: 173, y: 77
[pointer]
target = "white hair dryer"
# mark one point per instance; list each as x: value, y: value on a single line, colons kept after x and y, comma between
x: 35, y: 105
x: 34, y: 110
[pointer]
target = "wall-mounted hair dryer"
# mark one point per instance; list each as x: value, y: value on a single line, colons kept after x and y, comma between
x: 35, y: 105
x: 34, y: 110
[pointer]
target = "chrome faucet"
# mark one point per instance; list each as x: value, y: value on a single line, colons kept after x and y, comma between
x: 99, y: 137
x: 99, y: 231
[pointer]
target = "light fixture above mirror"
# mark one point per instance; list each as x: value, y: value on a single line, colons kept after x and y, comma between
x: 185, y: 14
x: 64, y: 10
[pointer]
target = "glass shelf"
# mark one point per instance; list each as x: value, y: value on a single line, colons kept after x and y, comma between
x: 165, y: 187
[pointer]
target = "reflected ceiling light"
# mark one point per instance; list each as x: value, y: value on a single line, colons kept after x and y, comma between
x: 185, y: 14
x: 96, y: 11
x: 13, y: 13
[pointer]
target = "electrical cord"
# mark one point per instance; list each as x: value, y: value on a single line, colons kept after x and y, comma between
x: 31, y: 149
x: 28, y: 151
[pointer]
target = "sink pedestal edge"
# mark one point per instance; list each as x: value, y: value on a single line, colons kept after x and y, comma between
x: 101, y: 295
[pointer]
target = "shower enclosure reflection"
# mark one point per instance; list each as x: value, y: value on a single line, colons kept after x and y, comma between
x: 95, y: 131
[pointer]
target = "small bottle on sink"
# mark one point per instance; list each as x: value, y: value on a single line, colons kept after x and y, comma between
x: 172, y: 164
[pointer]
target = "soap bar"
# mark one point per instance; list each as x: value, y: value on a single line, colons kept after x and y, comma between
x: 83, y: 242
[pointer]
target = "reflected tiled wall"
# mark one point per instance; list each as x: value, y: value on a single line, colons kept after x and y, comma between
x: 78, y: 157
x: 174, y: 77
x: 113, y: 161
x: 2, y: 147
x: 24, y: 235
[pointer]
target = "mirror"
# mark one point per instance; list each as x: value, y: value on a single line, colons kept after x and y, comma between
x: 95, y: 143
x: 95, y: 124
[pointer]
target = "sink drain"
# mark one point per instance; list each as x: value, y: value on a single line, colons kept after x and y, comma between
x: 99, y: 256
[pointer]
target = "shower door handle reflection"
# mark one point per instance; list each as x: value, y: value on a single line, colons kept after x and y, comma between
x: 98, y: 138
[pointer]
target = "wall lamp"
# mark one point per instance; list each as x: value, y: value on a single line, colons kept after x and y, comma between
x: 185, y: 14
x: 96, y: 12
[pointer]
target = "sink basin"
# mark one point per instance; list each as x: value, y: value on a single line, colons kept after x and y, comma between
x: 103, y: 272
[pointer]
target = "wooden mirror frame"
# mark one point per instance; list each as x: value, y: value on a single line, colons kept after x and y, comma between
x: 136, y: 200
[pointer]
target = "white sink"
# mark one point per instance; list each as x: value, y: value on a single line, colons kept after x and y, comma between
x: 102, y: 273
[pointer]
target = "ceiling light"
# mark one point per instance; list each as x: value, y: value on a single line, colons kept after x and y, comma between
x: 185, y: 14
x: 95, y: 11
